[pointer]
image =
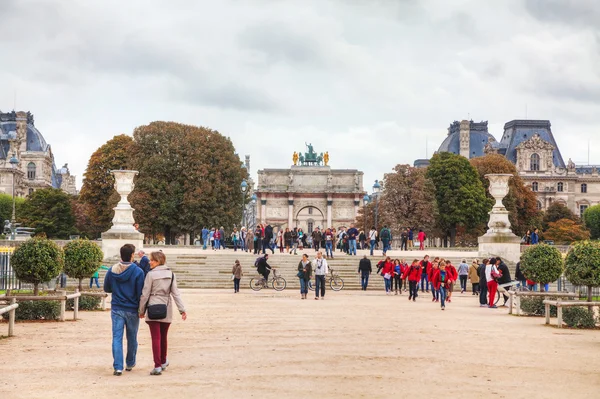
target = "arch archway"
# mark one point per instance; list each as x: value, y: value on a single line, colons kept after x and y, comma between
x: 309, y: 218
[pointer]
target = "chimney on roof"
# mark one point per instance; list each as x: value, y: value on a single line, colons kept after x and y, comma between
x: 465, y: 133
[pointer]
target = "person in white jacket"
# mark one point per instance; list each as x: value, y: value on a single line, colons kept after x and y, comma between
x: 320, y: 269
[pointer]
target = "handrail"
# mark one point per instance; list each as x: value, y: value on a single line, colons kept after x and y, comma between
x: 560, y: 304
x: 11, y: 316
x: 63, y: 297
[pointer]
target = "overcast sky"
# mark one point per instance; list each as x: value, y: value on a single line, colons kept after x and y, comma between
x: 370, y: 81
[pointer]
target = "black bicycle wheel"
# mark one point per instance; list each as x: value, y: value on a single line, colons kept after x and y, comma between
x: 336, y: 283
x: 310, y: 285
x: 256, y: 284
x: 498, y: 295
x: 279, y: 284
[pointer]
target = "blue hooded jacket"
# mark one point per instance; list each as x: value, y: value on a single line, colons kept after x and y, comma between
x: 125, y: 281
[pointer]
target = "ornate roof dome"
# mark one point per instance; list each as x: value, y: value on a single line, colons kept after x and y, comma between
x: 478, y: 138
x: 8, y: 128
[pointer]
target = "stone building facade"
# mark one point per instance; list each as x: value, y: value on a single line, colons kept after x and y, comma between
x: 309, y: 197
x: 36, y: 168
x: 531, y: 146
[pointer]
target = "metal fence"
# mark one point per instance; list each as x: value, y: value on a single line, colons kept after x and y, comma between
x: 8, y: 280
x: 564, y: 285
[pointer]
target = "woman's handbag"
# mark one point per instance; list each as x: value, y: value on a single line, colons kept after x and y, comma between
x: 159, y: 310
x: 232, y: 277
x: 300, y: 274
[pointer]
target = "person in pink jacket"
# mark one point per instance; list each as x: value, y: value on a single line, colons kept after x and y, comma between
x: 421, y: 237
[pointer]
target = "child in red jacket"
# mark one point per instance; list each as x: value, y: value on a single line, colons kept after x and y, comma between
x: 414, y: 275
x: 452, y: 277
x: 387, y: 271
x: 439, y: 281
x: 403, y: 270
x: 434, y: 292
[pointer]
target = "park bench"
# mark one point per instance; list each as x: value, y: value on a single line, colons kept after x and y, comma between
x: 520, y: 294
x: 566, y: 304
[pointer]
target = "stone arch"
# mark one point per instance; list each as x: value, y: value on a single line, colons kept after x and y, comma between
x: 314, y: 218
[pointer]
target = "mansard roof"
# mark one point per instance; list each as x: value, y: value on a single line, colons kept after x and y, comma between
x: 519, y: 131
x: 478, y: 138
x: 8, y: 127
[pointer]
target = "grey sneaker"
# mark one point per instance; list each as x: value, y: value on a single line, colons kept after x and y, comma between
x: 118, y: 372
x: 156, y: 371
x: 164, y: 366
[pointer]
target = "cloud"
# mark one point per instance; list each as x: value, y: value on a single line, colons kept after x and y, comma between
x: 370, y: 81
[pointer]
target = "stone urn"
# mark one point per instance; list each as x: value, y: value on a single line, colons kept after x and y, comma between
x: 499, y: 240
x: 122, y: 230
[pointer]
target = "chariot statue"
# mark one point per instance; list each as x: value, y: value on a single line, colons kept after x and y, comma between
x: 311, y: 158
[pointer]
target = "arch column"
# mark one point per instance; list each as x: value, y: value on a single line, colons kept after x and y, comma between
x: 329, y: 213
x: 263, y: 208
x: 290, y: 211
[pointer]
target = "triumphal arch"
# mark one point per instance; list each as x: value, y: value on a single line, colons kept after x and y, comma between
x: 309, y: 194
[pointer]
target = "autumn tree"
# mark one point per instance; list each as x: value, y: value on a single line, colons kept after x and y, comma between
x: 49, y: 211
x: 566, y: 231
x: 520, y: 201
x: 459, y: 193
x: 98, y: 196
x: 408, y: 199
x: 555, y: 212
x: 365, y: 219
x: 189, y: 177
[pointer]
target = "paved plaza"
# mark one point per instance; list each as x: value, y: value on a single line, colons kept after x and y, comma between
x: 274, y: 345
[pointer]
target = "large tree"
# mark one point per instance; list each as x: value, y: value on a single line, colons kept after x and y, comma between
x: 98, y: 195
x: 566, y: 231
x: 591, y: 218
x: 49, y: 211
x: 408, y: 199
x: 459, y: 193
x: 555, y: 212
x: 520, y: 201
x: 189, y: 177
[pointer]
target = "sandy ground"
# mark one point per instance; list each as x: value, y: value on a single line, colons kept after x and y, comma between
x: 274, y: 345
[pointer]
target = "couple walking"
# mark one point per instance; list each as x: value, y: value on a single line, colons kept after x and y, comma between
x: 305, y: 271
x: 135, y: 297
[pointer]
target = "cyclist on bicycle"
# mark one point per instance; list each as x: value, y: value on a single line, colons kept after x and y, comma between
x: 263, y: 267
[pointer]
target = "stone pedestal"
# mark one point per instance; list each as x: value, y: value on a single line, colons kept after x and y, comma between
x: 122, y: 231
x: 499, y: 240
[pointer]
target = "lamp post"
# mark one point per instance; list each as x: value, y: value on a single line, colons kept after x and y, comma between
x: 376, y: 190
x: 366, y: 200
x: 244, y: 189
x: 13, y: 163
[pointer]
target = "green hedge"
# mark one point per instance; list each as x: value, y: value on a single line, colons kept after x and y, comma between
x: 534, y: 306
x: 85, y: 303
x: 579, y: 317
x: 36, y: 310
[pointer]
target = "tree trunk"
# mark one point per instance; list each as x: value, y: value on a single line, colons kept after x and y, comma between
x: 590, y: 298
x: 80, y: 284
x: 452, y: 236
x: 36, y: 289
x: 167, y: 235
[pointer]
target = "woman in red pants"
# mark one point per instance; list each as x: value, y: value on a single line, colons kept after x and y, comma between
x: 160, y: 285
x: 491, y: 274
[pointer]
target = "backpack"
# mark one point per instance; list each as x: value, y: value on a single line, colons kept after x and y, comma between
x: 385, y: 234
x: 257, y: 261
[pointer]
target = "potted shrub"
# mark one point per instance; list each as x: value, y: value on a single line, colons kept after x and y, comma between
x: 36, y: 261
x: 582, y: 265
x: 542, y: 263
x: 82, y: 259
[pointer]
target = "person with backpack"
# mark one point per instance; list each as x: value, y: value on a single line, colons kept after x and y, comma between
x: 386, y: 236
x: 262, y: 267
x: 425, y: 269
x: 364, y: 269
x: 491, y: 275
x: 421, y: 238
x: 372, y: 239
x: 413, y: 274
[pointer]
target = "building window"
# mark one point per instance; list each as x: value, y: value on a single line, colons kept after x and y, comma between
x: 534, y: 186
x: 582, y: 209
x: 310, y: 212
x: 584, y: 188
x: 31, y: 171
x: 31, y: 190
x: 534, y: 163
x: 539, y: 206
x: 559, y: 187
x: 310, y: 226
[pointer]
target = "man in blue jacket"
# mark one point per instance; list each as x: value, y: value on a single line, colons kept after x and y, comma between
x: 125, y: 282
x: 144, y: 262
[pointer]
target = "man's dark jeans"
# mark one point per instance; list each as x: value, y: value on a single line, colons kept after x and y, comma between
x: 424, y: 282
x: 463, y: 282
x: 266, y: 245
x: 483, y: 294
x: 364, y: 280
x: 413, y: 287
x: 403, y: 245
x: 320, y: 285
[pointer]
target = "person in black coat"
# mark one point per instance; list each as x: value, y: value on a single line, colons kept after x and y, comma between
x: 503, y: 269
x: 364, y: 268
x: 263, y: 267
x: 482, y: 284
x: 519, y: 275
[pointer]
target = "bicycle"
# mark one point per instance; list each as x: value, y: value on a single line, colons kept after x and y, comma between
x: 336, y: 283
x: 277, y: 282
x: 507, y: 287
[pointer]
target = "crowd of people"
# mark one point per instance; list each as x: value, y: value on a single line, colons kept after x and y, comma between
x: 141, y: 290
x: 345, y: 240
